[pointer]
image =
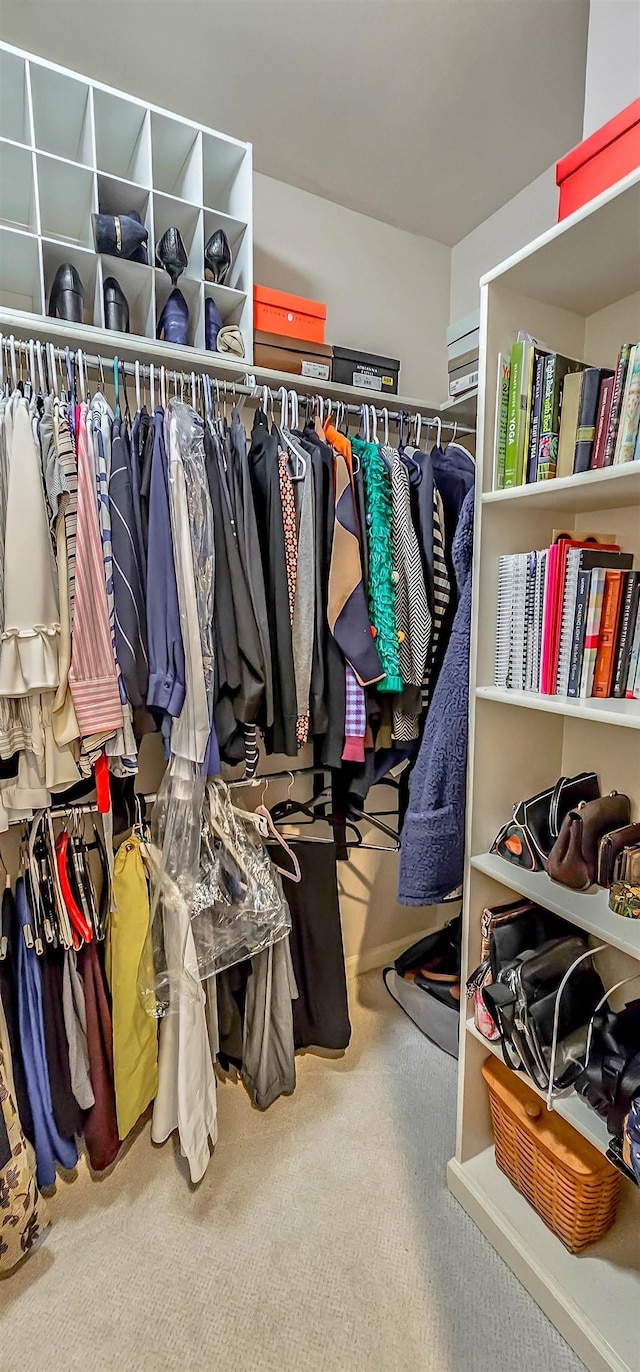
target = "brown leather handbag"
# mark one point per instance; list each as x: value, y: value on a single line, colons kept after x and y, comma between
x: 573, y: 860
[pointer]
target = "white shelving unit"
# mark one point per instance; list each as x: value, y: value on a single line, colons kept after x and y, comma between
x: 71, y: 147
x: 578, y: 287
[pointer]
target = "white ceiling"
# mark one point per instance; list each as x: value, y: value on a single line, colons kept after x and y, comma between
x: 428, y: 114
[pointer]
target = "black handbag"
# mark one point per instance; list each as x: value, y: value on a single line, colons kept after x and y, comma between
x: 529, y: 837
x: 611, y: 1076
x: 530, y: 993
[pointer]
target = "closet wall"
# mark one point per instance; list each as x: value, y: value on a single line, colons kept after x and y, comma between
x: 386, y: 290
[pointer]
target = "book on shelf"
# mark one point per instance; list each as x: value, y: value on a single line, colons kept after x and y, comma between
x: 571, y: 393
x: 592, y: 379
x: 632, y: 691
x: 614, y: 582
x: 602, y: 421
x: 628, y: 618
x: 630, y: 411
x: 567, y: 619
x: 563, y: 417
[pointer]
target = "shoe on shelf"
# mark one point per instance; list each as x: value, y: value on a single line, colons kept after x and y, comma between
x: 121, y: 235
x: 171, y: 254
x: 173, y: 324
x: 116, y: 306
x: 217, y: 258
x: 66, y: 300
x: 212, y: 325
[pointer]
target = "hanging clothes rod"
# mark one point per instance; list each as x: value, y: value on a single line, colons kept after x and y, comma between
x: 37, y: 355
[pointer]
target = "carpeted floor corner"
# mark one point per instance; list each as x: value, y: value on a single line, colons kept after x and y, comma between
x: 322, y: 1239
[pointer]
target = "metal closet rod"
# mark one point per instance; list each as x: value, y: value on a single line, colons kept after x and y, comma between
x: 152, y: 371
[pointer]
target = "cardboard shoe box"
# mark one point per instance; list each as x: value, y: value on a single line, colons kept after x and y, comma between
x: 300, y: 357
x: 367, y: 371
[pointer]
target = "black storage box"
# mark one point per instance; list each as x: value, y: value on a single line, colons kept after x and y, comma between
x: 365, y: 370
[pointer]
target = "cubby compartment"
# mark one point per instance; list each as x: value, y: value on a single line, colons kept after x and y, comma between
x: 15, y: 122
x: 136, y: 281
x: 238, y: 240
x: 122, y: 197
x: 20, y: 278
x: 67, y: 201
x: 123, y: 137
x: 17, y: 191
x: 62, y: 114
x: 86, y: 264
x: 177, y: 158
x: 225, y: 168
x: 171, y: 213
x: 192, y: 293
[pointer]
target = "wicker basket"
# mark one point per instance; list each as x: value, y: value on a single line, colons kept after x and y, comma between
x: 571, y: 1185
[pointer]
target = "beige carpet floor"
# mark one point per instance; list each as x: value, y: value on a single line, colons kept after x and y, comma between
x: 322, y: 1239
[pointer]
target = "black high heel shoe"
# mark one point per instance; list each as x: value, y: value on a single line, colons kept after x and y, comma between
x: 171, y: 254
x: 66, y: 300
x: 217, y: 258
x: 116, y: 306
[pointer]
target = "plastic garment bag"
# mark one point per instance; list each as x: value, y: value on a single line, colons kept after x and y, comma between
x: 239, y: 907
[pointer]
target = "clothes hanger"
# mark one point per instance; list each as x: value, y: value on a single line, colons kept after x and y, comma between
x: 152, y: 388
x: 385, y: 416
x: 136, y: 377
x: 296, y: 874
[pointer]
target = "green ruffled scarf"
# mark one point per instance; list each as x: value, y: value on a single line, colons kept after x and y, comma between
x: 382, y: 591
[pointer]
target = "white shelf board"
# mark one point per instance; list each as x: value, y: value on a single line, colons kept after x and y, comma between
x: 594, y: 1298
x: 604, y: 489
x: 588, y: 909
x: 609, y: 711
x: 463, y: 407
x: 265, y: 376
x: 570, y: 1106
x: 586, y: 262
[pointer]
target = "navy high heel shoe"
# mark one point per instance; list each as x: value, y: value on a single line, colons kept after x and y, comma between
x: 212, y: 325
x: 173, y: 324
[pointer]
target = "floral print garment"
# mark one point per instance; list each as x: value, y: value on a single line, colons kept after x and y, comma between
x: 23, y: 1213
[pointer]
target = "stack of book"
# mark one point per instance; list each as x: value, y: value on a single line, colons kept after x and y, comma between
x: 568, y: 621
x: 463, y: 342
x: 556, y: 417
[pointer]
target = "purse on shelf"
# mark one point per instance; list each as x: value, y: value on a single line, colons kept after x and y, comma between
x: 534, y: 990
x: 610, y: 1078
x: 506, y: 932
x: 573, y: 860
x: 624, y: 893
x: 528, y: 838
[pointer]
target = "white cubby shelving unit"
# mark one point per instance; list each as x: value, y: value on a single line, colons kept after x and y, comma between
x: 70, y: 147
x: 578, y: 287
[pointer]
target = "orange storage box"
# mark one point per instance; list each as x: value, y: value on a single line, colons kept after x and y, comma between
x: 291, y: 316
x: 606, y: 157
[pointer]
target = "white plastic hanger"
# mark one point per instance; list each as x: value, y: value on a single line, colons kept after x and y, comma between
x: 418, y: 419
x: 136, y: 374
x: 12, y: 355
x: 152, y: 389
x: 385, y: 415
x: 81, y: 376
x: 374, y: 424
x: 39, y: 358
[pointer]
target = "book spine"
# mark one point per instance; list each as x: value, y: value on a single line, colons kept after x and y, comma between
x: 616, y: 402
x: 579, y: 627
x: 526, y: 395
x: 633, y: 678
x: 627, y: 623
x: 629, y: 419
x: 504, y: 370
x: 602, y: 422
x: 608, y: 638
x: 592, y: 632
x: 547, y: 451
x: 586, y: 431
x: 534, y: 430
x: 511, y: 450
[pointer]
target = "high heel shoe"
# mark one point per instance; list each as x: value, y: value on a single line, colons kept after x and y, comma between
x: 217, y: 258
x: 121, y: 235
x: 171, y: 254
x: 66, y: 300
x: 212, y: 325
x: 173, y: 324
x: 116, y: 306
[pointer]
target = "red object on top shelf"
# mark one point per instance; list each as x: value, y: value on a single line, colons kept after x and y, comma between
x: 606, y: 157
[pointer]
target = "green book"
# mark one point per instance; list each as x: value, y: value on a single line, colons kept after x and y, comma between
x: 555, y: 369
x: 513, y: 414
x: 502, y: 414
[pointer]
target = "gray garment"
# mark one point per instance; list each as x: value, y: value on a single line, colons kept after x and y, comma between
x: 75, y: 1023
x: 249, y: 547
x: 303, y: 628
x: 55, y: 481
x: 268, y: 1057
x: 413, y: 616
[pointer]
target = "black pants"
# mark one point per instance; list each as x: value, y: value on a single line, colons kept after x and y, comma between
x: 321, y: 1012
